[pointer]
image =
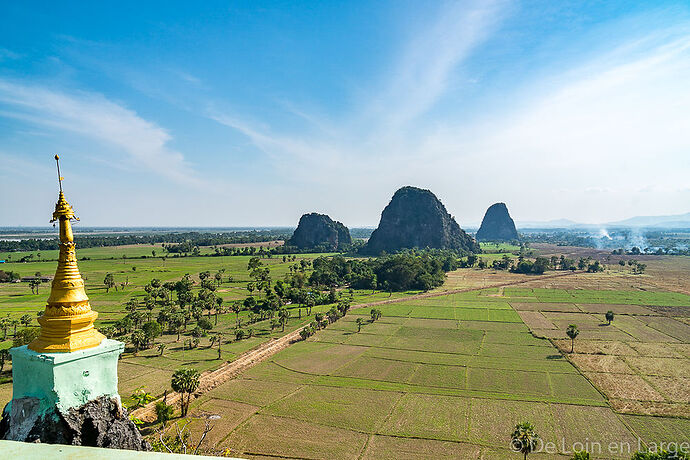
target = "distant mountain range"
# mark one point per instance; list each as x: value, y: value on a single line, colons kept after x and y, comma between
x: 672, y: 221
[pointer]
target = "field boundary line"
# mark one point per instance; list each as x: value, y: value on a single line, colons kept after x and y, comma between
x: 427, y: 295
x: 211, y: 379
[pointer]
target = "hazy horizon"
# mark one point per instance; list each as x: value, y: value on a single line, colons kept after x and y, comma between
x: 244, y: 115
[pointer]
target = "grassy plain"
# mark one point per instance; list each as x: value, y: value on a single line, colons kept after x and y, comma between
x: 149, y: 369
x: 420, y: 381
x: 445, y: 376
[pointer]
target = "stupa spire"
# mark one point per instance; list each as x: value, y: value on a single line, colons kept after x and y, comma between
x: 67, y: 323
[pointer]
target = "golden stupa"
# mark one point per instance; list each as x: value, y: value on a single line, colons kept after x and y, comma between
x: 67, y: 323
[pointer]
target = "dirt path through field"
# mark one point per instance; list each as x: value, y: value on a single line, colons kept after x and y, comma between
x: 211, y: 379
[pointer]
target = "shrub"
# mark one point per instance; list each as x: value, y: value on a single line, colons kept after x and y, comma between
x: 25, y: 336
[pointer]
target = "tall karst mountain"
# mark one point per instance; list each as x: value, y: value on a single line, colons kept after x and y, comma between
x: 415, y: 218
x: 320, y: 231
x: 497, y: 225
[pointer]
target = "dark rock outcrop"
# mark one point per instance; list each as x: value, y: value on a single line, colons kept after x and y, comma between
x: 320, y: 231
x: 99, y: 423
x: 415, y: 218
x: 497, y: 225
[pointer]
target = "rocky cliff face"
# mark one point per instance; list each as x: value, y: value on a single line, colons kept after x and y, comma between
x: 497, y: 225
x: 99, y: 423
x: 320, y: 231
x: 415, y: 218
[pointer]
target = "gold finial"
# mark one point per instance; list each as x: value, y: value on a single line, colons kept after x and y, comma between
x: 67, y: 324
x: 57, y: 162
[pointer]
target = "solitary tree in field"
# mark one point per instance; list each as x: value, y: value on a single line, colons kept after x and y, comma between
x: 4, y: 325
x: 217, y: 339
x: 4, y: 356
x: 237, y: 308
x: 359, y: 322
x: 609, y: 316
x: 26, y: 319
x: 138, y: 340
x: 34, y: 284
x: 283, y: 316
x: 572, y: 332
x: 14, y: 322
x: 109, y: 282
x: 185, y: 382
x: 375, y: 314
x: 163, y: 412
x: 524, y: 438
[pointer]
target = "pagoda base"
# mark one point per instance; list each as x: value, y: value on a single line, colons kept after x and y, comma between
x: 69, y: 398
x: 66, y: 334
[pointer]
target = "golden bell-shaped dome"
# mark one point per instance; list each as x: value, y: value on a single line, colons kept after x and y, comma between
x: 67, y: 323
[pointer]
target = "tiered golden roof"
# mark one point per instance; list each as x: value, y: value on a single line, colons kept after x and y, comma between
x: 67, y: 323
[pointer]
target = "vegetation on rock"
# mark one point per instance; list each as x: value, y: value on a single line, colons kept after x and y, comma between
x: 497, y: 225
x: 416, y: 218
x: 318, y: 231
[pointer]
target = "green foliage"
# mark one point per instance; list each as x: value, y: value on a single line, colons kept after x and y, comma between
x: 185, y: 382
x: 151, y: 330
x: 418, y: 270
x: 205, y: 324
x: 524, y: 439
x: 25, y: 336
x: 360, y: 322
x: 141, y: 398
x: 538, y: 267
x: 8, y: 276
x: 609, y: 316
x: 572, y: 331
x: 164, y: 412
x: 581, y: 455
x: 4, y: 357
x: 139, y: 340
x: 663, y: 455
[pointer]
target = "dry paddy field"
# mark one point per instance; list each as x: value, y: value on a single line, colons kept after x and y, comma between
x: 450, y: 376
x: 641, y: 361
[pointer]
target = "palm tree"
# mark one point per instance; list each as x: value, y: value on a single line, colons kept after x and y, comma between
x: 219, y: 339
x: 609, y: 316
x: 109, y: 282
x: 14, y: 322
x: 26, y: 319
x: 359, y: 322
x: 185, y: 382
x: 237, y: 308
x: 219, y: 307
x: 4, y: 356
x: 4, y: 325
x: 283, y: 315
x: 524, y: 439
x: 572, y: 332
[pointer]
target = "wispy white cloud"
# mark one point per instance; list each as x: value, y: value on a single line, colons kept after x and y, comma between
x: 379, y: 128
x: 142, y: 142
x: 612, y: 122
x: 433, y: 54
x: 6, y: 55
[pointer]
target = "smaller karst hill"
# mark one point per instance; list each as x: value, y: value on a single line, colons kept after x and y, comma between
x: 320, y: 231
x: 497, y: 225
x: 415, y: 218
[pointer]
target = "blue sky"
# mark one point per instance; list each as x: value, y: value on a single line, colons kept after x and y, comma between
x: 252, y: 113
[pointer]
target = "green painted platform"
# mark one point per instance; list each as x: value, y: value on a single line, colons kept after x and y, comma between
x: 66, y: 380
